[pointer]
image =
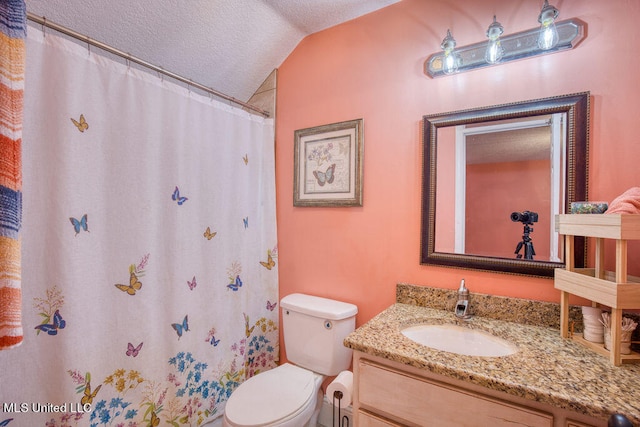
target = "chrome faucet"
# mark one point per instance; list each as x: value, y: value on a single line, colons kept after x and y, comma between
x: 462, y: 306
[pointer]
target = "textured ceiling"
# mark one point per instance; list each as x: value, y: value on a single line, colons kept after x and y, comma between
x: 229, y: 45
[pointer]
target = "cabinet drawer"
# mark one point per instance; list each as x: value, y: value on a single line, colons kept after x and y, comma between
x: 365, y: 419
x: 426, y: 402
x: 571, y: 423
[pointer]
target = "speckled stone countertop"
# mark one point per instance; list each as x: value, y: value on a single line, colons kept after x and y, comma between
x: 546, y: 368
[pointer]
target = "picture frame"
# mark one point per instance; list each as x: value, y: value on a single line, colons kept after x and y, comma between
x: 328, y: 165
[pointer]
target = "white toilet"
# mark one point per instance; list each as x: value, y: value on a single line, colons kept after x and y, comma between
x: 290, y: 395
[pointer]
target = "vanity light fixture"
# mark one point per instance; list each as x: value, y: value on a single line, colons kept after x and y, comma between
x: 495, y: 51
x: 550, y: 37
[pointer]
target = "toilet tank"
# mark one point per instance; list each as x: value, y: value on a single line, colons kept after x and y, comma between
x: 314, y: 329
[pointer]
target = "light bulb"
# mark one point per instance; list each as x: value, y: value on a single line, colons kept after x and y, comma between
x: 495, y: 51
x: 548, y: 36
x: 450, y: 63
x: 450, y: 60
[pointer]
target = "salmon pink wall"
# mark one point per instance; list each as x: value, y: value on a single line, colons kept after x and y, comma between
x: 372, y: 68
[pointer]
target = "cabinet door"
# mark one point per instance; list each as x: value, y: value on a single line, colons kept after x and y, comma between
x: 425, y: 402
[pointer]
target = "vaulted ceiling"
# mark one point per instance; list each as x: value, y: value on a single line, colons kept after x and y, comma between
x: 231, y: 46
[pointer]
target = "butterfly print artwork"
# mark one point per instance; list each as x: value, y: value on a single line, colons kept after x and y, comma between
x: 270, y: 263
x: 247, y: 330
x: 176, y: 196
x: 208, y: 234
x: 88, y: 395
x: 245, y: 158
x: 211, y: 338
x: 82, y: 125
x: 133, y: 286
x: 79, y: 225
x: 181, y: 328
x: 155, y: 420
x: 235, y: 285
x: 325, y: 177
x: 270, y: 306
x: 192, y: 283
x: 133, y: 351
x: 245, y: 220
x: 52, y: 328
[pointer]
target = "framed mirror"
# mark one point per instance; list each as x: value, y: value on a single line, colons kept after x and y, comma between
x: 495, y: 177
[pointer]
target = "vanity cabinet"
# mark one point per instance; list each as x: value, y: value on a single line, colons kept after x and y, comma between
x: 616, y: 290
x: 388, y: 393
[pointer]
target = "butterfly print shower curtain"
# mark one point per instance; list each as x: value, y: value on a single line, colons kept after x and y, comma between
x: 150, y: 267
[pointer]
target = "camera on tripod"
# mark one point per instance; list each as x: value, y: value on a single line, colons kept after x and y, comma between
x: 526, y: 217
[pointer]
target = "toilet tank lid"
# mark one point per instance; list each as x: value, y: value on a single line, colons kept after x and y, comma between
x: 319, y: 307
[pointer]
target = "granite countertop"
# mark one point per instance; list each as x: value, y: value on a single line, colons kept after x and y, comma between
x: 547, y: 368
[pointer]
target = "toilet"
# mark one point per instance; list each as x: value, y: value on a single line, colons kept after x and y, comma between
x: 290, y: 395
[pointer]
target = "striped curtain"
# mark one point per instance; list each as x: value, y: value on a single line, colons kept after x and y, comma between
x: 13, y: 18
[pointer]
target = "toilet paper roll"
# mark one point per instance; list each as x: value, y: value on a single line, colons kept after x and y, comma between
x: 344, y: 384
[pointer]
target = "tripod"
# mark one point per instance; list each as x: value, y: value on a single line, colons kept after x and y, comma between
x: 529, y: 252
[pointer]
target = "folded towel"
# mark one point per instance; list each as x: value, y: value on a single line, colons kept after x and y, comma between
x: 626, y: 203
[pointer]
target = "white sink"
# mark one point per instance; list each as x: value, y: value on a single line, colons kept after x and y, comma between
x: 460, y: 340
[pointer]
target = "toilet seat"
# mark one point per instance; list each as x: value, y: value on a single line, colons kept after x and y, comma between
x: 272, y: 397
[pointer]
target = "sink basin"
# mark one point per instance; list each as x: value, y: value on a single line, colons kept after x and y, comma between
x: 460, y: 340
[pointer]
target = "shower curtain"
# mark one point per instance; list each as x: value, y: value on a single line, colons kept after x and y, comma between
x: 150, y: 277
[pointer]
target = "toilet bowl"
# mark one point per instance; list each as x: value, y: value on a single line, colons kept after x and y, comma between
x: 314, y: 329
x: 287, y: 396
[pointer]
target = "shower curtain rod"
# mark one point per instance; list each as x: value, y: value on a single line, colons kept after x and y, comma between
x: 44, y: 22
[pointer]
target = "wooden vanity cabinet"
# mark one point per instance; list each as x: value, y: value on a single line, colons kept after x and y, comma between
x: 388, y: 393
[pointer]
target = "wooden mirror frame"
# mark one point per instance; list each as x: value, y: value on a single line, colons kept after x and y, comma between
x: 577, y: 108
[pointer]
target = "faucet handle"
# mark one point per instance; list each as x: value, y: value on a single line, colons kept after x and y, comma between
x: 463, y: 289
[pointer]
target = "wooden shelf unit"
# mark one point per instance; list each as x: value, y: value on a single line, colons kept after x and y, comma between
x: 614, y: 289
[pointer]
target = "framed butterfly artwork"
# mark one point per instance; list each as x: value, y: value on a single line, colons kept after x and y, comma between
x: 328, y: 165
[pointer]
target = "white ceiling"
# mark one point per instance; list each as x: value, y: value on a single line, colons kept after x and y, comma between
x: 229, y: 45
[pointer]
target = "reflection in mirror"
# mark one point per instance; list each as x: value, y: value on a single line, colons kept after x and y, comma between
x: 499, y: 168
x: 494, y: 179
